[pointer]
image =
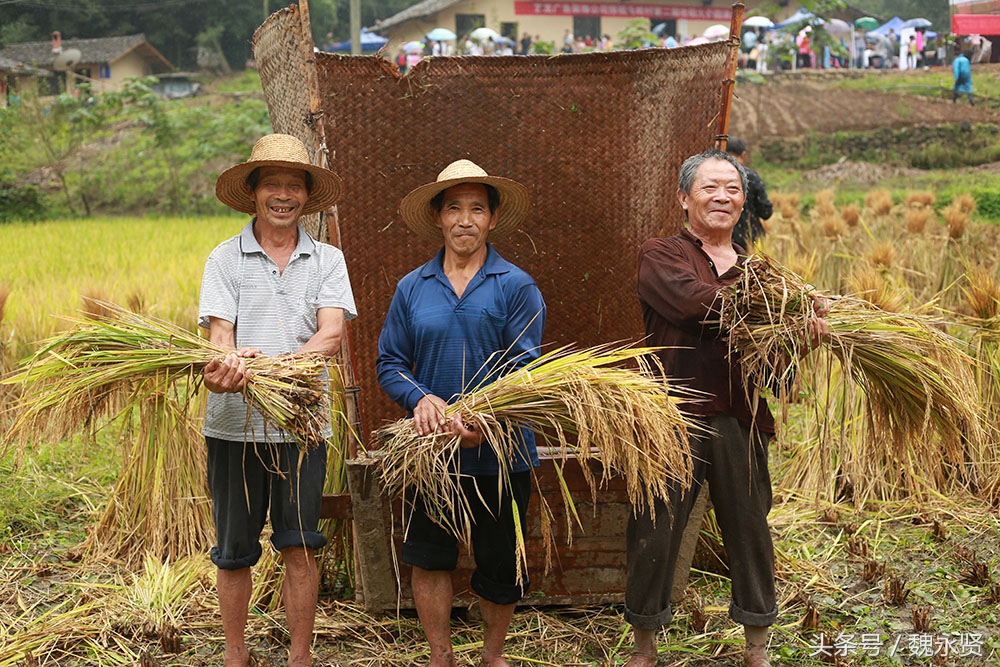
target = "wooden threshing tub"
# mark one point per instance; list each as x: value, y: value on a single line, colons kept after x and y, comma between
x: 597, y: 138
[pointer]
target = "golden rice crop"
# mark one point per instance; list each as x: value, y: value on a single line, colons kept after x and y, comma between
x: 101, y: 366
x: 626, y: 418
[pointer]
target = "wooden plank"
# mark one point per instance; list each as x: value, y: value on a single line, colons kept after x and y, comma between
x: 336, y: 506
x: 590, y: 570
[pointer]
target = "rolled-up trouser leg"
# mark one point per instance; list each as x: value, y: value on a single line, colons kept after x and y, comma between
x: 651, y: 553
x: 740, y: 486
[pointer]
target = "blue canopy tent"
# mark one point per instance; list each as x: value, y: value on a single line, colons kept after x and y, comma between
x: 369, y: 42
x: 798, y: 17
x: 894, y: 24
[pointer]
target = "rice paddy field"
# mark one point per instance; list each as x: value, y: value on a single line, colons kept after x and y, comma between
x: 888, y: 547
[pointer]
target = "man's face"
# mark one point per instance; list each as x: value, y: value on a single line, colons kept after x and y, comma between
x: 716, y: 198
x: 280, y: 195
x: 465, y: 218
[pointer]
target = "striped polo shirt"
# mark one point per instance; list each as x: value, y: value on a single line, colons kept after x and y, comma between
x: 271, y: 310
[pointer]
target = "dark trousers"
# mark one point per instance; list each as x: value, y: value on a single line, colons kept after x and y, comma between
x: 735, y: 466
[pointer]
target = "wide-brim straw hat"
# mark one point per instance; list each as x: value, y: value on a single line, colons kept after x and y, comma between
x: 278, y: 150
x: 419, y: 215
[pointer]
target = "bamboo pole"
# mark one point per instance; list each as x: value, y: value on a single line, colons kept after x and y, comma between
x: 736, y: 23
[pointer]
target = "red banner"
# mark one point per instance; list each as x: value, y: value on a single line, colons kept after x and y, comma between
x: 720, y: 14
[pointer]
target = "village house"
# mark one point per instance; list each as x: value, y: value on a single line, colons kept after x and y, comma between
x: 58, y: 65
x: 553, y: 20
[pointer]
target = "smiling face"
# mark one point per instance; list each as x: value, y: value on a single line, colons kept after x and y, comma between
x: 715, y: 202
x: 280, y: 195
x: 465, y: 219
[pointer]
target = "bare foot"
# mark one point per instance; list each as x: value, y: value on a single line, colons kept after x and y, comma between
x: 236, y: 657
x: 641, y: 661
x: 756, y: 656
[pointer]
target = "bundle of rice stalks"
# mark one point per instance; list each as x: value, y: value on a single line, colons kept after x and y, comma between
x: 882, y: 254
x: 102, y: 366
x: 787, y: 205
x: 851, y: 214
x: 825, y: 207
x: 957, y: 218
x: 160, y: 507
x: 916, y: 378
x: 879, y: 201
x: 920, y: 198
x: 625, y: 418
x: 917, y: 218
x: 875, y: 287
x: 964, y: 202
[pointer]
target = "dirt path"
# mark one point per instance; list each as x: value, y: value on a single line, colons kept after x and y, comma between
x: 791, y: 105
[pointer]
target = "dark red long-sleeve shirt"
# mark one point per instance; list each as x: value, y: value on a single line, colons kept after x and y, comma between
x: 678, y: 291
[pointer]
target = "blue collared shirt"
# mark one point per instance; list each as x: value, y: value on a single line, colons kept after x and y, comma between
x: 433, y: 342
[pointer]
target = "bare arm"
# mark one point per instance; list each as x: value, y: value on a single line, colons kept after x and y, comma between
x: 329, y: 332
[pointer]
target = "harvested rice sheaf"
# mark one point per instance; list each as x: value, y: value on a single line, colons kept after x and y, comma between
x: 605, y: 403
x: 103, y: 365
x: 917, y: 379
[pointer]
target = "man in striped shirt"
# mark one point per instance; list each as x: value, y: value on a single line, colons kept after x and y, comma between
x: 270, y: 290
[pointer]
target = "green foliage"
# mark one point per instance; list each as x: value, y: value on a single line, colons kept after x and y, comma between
x: 19, y: 202
x: 987, y: 203
x: 543, y: 47
x: 636, y: 35
x: 165, y: 149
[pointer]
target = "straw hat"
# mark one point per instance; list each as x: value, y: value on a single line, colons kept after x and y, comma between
x: 278, y: 150
x: 419, y: 216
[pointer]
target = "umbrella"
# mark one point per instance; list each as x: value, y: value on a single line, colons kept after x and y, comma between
x: 413, y: 46
x: 659, y: 29
x: 760, y: 22
x: 504, y: 40
x: 716, y: 31
x: 696, y: 41
x: 916, y: 23
x: 369, y: 42
x: 482, y: 34
x: 837, y: 27
x: 866, y: 23
x: 440, y: 35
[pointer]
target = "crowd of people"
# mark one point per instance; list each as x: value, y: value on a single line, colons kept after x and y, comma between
x: 272, y: 289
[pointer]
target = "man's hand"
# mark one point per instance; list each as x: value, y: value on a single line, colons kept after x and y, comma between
x: 470, y: 437
x: 229, y: 374
x: 817, y: 329
x: 428, y: 415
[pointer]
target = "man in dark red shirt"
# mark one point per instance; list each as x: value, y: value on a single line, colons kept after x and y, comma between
x: 680, y: 279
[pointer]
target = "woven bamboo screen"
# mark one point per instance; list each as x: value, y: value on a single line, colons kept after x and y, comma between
x: 597, y: 138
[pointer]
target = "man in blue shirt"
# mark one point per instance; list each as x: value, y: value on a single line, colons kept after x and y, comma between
x: 465, y: 317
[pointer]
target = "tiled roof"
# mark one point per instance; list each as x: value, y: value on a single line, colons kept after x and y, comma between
x: 419, y: 10
x: 97, y: 51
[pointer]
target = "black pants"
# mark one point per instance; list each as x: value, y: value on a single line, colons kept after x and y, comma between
x: 735, y: 466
